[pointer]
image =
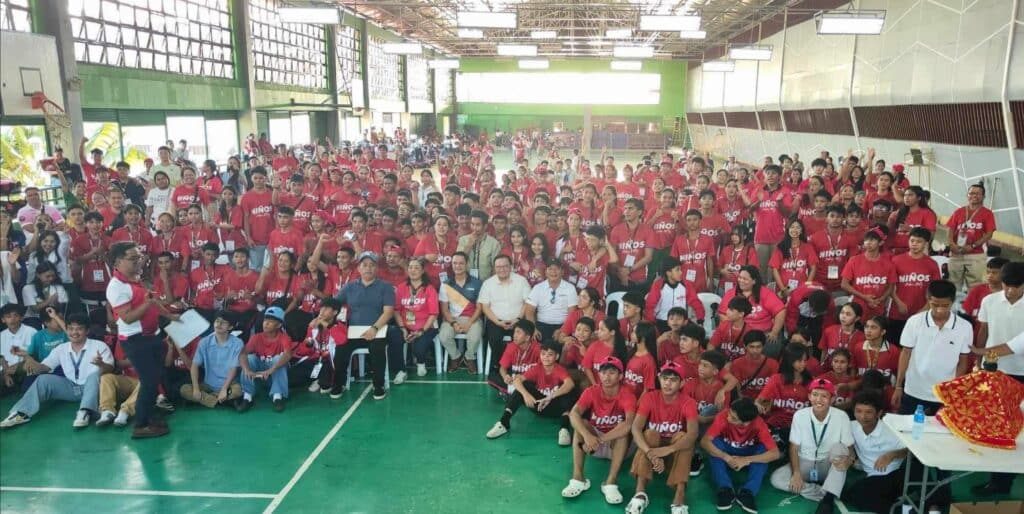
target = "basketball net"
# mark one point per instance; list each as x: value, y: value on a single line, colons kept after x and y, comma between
x: 58, y: 123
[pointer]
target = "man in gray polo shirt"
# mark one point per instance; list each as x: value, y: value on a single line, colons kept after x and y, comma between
x: 371, y: 303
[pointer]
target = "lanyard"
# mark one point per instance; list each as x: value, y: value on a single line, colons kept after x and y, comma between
x: 818, y: 439
x: 830, y: 243
x: 77, y: 363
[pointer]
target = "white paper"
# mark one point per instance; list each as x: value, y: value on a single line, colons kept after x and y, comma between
x: 190, y: 326
x: 357, y: 332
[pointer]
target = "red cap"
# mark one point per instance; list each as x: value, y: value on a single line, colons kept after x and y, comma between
x: 897, y: 168
x: 821, y: 383
x: 673, y: 367
x: 610, y: 361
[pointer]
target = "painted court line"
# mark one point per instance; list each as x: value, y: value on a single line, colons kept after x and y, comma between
x: 135, y: 492
x: 279, y: 497
x: 444, y: 382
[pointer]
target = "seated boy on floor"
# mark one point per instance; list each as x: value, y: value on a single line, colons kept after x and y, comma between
x: 522, y: 354
x: 605, y: 432
x: 707, y: 390
x: 312, y: 364
x: 546, y: 389
x: 265, y: 357
x: 217, y: 354
x: 738, y: 438
x: 665, y: 428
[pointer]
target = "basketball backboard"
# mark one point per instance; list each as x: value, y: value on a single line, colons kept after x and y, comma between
x: 29, y: 65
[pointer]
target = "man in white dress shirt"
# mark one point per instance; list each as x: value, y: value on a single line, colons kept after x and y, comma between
x: 503, y: 302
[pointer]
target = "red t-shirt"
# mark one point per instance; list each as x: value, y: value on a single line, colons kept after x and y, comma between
x: 196, y: 238
x: 414, y: 310
x: 664, y: 227
x: 546, y: 383
x: 716, y: 227
x: 833, y: 254
x: 184, y: 196
x: 731, y: 260
x: 912, y: 279
x: 275, y: 286
x: 303, y: 206
x: 142, y: 237
x: 729, y: 340
x: 886, y: 360
x: 443, y: 262
x: 834, y: 338
x: 794, y: 270
x: 280, y: 242
x: 605, y: 412
x: 593, y: 276
x: 741, y: 436
x: 693, y: 257
x: 734, y: 211
x: 972, y: 225
x: 786, y: 400
x: 259, y: 211
x: 574, y: 317
x: 177, y: 244
x: 870, y: 277
x: 596, y: 352
x: 631, y: 243
x: 690, y: 367
x: 517, y: 360
x: 268, y: 348
x: 899, y: 241
x: 704, y: 392
x: 178, y: 289
x: 94, y: 272
x: 763, y: 312
x: 770, y: 220
x: 640, y: 374
x: 337, y: 278
x: 343, y: 203
x: 206, y: 285
x: 752, y: 376
x: 308, y: 284
x: 796, y: 306
x: 668, y: 418
x: 840, y: 398
x: 234, y: 282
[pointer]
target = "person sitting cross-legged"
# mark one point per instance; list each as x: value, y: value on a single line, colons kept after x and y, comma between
x: 119, y: 386
x: 217, y: 355
x: 738, y: 438
x: 605, y: 432
x: 83, y: 361
x: 665, y: 428
x: 545, y: 389
x: 266, y: 357
x: 879, y: 453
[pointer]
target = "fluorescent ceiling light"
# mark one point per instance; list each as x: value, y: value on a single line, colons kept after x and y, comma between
x: 487, y: 20
x: 751, y: 53
x: 627, y: 65
x: 851, y: 22
x: 517, y: 50
x: 666, y: 23
x: 633, y: 51
x: 723, y: 66
x: 533, y: 64
x: 543, y: 34
x: 693, y: 34
x: 403, y: 48
x: 444, y: 64
x: 314, y: 15
x: 618, y: 33
x: 471, y: 33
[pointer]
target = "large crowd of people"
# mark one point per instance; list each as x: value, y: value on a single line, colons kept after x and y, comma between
x: 679, y: 314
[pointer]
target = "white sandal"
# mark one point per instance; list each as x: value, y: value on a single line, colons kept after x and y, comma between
x: 638, y: 504
x: 575, y: 488
x: 611, y: 494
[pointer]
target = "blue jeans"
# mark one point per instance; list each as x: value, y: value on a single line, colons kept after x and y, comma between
x: 278, y: 381
x: 423, y: 346
x: 52, y: 387
x: 720, y: 470
x: 256, y: 257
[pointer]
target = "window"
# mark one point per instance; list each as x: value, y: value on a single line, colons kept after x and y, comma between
x: 192, y: 130
x: 348, y: 50
x: 222, y: 139
x: 385, y: 72
x: 443, y: 89
x: 573, y: 88
x: 141, y: 142
x: 281, y: 130
x: 105, y: 135
x: 418, y: 78
x: 15, y: 15
x: 289, y: 54
x: 191, y: 37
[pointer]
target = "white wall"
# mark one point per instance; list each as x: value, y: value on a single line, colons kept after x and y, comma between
x: 931, y: 51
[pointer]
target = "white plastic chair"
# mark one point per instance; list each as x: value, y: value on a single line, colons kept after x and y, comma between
x: 614, y: 298
x: 840, y: 301
x: 441, y: 354
x: 487, y: 367
x: 711, y: 301
x: 943, y: 263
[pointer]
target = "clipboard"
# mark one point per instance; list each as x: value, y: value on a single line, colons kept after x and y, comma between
x: 356, y: 332
x: 190, y: 326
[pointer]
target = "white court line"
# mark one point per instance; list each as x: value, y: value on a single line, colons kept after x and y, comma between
x: 444, y: 382
x: 316, y: 453
x: 134, y: 492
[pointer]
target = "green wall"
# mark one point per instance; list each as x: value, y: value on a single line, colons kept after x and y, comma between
x: 108, y: 87
x: 510, y: 116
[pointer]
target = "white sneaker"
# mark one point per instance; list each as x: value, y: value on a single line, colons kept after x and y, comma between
x: 121, y: 419
x: 106, y: 418
x: 497, y: 431
x: 81, y: 419
x: 15, y: 419
x: 421, y: 370
x: 564, y: 437
x: 314, y: 387
x: 400, y: 378
x: 679, y: 509
x: 163, y: 403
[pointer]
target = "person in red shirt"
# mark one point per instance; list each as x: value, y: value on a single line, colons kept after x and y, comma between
x: 767, y: 312
x: 609, y: 341
x: 634, y: 244
x: 642, y: 366
x: 416, y: 312
x: 738, y: 438
x: 870, y: 277
x: 229, y: 221
x: 786, y: 392
x: 914, y: 213
x: 169, y: 285
x: 752, y: 370
x: 665, y: 428
x: 198, y: 234
x: 816, y: 219
x: 668, y: 341
x: 593, y: 261
x: 810, y: 308
x: 546, y: 389
x: 311, y: 364
x: 712, y: 223
x: 733, y: 256
x: 793, y: 261
x: 604, y: 432
x: 695, y: 252
x: 285, y: 238
x: 239, y: 284
x: 729, y: 335
x: 520, y: 356
x: 295, y: 199
x: 171, y: 239
x: 914, y: 271
x: 834, y: 247
x: 266, y: 357
x: 438, y: 249
x: 843, y: 336
x: 133, y: 230
x: 207, y: 290
x: 970, y: 229
x: 258, y: 217
x: 843, y: 376
x: 770, y: 205
x: 875, y: 352
x: 692, y: 339
x: 88, y: 253
x: 708, y: 389
x: 360, y: 237
x: 280, y: 285
x: 188, y: 193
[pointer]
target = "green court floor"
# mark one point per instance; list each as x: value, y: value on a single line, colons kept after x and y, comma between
x: 421, y: 450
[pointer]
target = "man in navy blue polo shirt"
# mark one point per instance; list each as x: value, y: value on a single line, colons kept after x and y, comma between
x: 371, y: 304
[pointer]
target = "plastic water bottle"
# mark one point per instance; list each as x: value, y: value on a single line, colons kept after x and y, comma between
x: 918, y: 428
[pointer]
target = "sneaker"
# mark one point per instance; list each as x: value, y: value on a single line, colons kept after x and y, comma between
x: 243, y: 405
x: 314, y: 387
x: 121, y: 419
x: 696, y: 465
x: 453, y: 365
x: 564, y: 437
x: 279, y: 405
x: 163, y: 403
x: 400, y: 378
x: 745, y: 499
x: 725, y: 498
x: 15, y: 419
x: 421, y: 370
x: 106, y: 418
x: 336, y: 393
x: 150, y: 431
x: 380, y: 394
x: 497, y: 431
x: 81, y: 419
x: 324, y: 390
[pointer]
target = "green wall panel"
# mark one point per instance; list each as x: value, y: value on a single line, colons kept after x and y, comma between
x: 268, y: 96
x: 106, y: 87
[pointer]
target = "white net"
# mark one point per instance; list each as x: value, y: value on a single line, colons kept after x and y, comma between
x: 58, y: 125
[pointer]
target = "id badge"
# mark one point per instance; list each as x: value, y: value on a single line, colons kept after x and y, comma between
x: 195, y: 265
x: 582, y: 283
x: 574, y: 279
x: 833, y: 272
x: 813, y: 475
x: 98, y: 276
x: 792, y: 283
x: 728, y: 287
x: 443, y: 276
x: 628, y: 261
x: 316, y: 370
x: 691, y: 275
x: 475, y: 273
x: 410, y: 318
x: 229, y: 245
x: 961, y: 238
x: 343, y: 315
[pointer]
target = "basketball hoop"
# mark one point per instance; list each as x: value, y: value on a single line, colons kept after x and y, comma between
x: 51, y: 111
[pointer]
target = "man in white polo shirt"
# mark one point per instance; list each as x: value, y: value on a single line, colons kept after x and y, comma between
x: 503, y: 301
x: 551, y: 301
x: 880, y: 455
x: 82, y: 360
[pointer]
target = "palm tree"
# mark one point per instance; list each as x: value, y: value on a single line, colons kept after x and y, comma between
x: 20, y: 149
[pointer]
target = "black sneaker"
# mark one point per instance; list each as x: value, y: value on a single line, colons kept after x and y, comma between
x: 745, y: 499
x: 279, y: 405
x: 243, y: 405
x: 696, y: 465
x: 725, y: 498
x: 380, y: 394
x: 336, y: 392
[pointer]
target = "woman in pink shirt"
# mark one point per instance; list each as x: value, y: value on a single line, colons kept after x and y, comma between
x: 767, y: 314
x: 416, y: 311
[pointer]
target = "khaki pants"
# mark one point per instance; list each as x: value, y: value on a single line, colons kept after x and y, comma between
x: 831, y: 479
x: 209, y: 394
x: 678, y: 471
x: 969, y: 268
x: 116, y: 389
x: 473, y: 338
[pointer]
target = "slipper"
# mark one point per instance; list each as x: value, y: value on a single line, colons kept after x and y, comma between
x: 638, y: 504
x: 611, y: 494
x: 575, y: 488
